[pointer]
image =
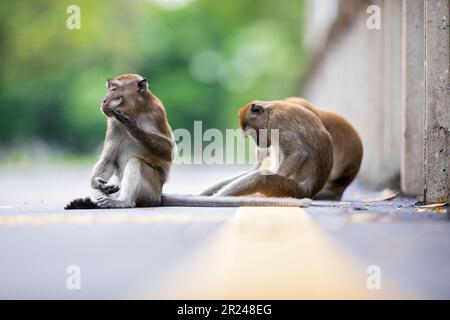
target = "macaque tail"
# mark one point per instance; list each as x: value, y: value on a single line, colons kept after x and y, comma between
x: 171, y: 200
x: 81, y: 203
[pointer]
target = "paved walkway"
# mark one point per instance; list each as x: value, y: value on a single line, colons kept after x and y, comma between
x: 344, y: 249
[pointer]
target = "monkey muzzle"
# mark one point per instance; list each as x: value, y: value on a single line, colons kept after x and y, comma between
x: 110, y: 103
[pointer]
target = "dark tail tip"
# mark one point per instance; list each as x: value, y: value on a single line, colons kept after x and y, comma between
x: 81, y: 203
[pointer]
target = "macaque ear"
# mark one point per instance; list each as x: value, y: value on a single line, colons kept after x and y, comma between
x: 142, y: 86
x: 257, y: 109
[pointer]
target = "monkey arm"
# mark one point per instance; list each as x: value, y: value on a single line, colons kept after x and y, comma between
x: 102, y: 172
x: 261, y: 154
x: 291, y: 164
x: 159, y: 146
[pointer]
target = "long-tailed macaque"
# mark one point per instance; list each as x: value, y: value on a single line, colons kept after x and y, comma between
x: 301, y: 159
x: 138, y: 150
x: 347, y: 151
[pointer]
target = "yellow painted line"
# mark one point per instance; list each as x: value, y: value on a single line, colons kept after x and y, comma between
x: 107, y: 218
x: 271, y: 253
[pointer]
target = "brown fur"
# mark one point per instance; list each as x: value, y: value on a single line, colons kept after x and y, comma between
x: 305, y: 151
x: 138, y: 150
x: 347, y: 149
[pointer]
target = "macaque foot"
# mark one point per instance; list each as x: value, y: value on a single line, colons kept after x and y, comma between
x: 106, y: 202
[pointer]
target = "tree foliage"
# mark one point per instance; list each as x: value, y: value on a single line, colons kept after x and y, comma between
x: 203, y: 58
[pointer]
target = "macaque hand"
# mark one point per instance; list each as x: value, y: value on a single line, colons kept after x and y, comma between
x: 104, y: 187
x: 124, y: 118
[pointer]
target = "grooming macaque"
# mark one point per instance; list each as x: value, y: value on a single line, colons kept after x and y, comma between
x: 138, y: 150
x: 301, y: 159
x: 346, y: 149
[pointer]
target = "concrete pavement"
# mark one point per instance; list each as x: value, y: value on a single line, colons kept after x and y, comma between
x: 329, y: 250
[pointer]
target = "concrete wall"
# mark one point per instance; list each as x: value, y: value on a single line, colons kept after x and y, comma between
x: 393, y: 85
x: 359, y: 76
x: 437, y: 100
x: 413, y: 81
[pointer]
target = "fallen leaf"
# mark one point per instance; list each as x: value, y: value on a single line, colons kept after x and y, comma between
x: 433, y: 205
x: 386, y: 194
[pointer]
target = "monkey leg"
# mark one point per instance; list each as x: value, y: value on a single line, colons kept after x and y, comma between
x: 141, y: 186
x: 219, y: 185
x: 329, y: 194
x: 261, y: 155
x: 267, y: 183
x: 331, y: 191
x: 334, y: 189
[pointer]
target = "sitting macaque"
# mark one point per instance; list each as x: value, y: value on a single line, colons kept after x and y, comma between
x: 298, y: 141
x: 347, y: 150
x: 301, y: 159
x: 138, y: 150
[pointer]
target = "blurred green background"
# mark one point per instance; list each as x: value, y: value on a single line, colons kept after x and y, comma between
x: 203, y: 58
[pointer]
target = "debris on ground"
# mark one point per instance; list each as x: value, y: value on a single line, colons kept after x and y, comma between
x: 433, y: 205
x: 385, y: 195
x: 440, y: 207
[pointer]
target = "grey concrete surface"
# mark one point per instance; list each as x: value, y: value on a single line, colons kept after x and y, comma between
x: 392, y: 84
x: 126, y: 253
x: 437, y: 100
x: 359, y: 77
x: 412, y: 97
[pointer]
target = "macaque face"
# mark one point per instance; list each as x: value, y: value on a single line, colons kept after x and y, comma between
x: 123, y: 94
x: 253, y: 118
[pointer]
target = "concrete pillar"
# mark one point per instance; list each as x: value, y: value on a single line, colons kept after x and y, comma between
x: 437, y: 100
x: 412, y: 98
x: 360, y: 78
x: 390, y: 136
x: 377, y: 166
